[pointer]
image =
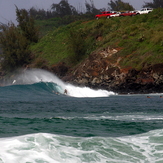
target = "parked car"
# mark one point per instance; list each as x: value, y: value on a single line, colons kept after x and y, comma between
x: 105, y: 14
x: 145, y: 11
x: 115, y: 15
x: 128, y: 13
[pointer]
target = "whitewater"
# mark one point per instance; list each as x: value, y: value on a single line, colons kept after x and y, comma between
x: 39, y: 123
x: 31, y: 76
x: 48, y: 148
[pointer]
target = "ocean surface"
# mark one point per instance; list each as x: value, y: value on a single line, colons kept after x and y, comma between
x: 41, y: 124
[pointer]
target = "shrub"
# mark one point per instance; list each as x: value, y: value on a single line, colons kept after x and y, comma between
x: 77, y: 42
x: 15, y: 47
x: 15, y: 41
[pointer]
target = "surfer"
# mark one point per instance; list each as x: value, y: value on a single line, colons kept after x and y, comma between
x: 57, y: 93
x: 65, y: 92
x: 148, y: 97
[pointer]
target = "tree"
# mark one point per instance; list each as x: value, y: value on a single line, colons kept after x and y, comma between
x: 77, y: 41
x: 154, y: 4
x: 90, y: 8
x: 37, y: 14
x: 15, y: 47
x: 119, y: 5
x: 63, y: 8
x: 15, y: 41
x: 27, y: 25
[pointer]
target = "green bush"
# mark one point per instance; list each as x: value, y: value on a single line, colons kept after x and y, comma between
x: 77, y: 43
x: 15, y: 48
x: 15, y: 41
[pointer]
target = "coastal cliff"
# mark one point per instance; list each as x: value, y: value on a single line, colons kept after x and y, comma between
x: 123, y: 54
x: 100, y: 70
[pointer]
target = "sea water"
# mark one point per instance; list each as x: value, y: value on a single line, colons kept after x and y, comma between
x: 41, y: 124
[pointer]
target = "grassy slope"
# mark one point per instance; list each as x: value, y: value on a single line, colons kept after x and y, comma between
x: 140, y: 39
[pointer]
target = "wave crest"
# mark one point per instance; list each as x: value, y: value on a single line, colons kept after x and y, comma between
x: 33, y: 76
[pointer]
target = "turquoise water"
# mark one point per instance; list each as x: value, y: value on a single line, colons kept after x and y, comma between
x: 40, y: 124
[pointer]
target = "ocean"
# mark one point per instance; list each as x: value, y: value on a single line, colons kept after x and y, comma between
x: 41, y: 124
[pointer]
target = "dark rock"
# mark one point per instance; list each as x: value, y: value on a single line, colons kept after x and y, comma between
x: 99, y: 70
x: 60, y: 69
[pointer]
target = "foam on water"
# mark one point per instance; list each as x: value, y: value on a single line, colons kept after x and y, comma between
x: 50, y: 148
x: 32, y: 76
x: 128, y: 117
x: 86, y: 92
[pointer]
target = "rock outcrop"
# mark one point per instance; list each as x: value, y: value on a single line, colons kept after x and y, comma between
x: 102, y: 70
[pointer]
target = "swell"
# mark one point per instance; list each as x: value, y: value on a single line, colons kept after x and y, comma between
x: 77, y: 126
x: 36, y: 87
x: 28, y: 92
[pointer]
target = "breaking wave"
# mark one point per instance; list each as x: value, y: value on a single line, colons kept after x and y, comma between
x: 54, y: 84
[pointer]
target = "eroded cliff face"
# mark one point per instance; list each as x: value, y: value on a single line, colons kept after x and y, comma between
x: 102, y: 70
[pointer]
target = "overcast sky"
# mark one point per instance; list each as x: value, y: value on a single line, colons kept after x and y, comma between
x: 7, y: 7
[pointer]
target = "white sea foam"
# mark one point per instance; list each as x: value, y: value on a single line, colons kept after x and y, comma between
x: 32, y: 76
x: 46, y: 148
x: 86, y: 92
x: 120, y: 117
x: 50, y: 148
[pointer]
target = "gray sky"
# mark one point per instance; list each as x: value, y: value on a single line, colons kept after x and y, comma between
x: 7, y: 7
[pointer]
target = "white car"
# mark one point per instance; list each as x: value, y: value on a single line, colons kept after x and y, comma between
x: 115, y: 15
x: 145, y: 11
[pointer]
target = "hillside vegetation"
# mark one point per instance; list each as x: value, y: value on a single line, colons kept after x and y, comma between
x: 139, y: 40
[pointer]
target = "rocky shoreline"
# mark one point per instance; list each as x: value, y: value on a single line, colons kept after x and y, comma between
x: 99, y: 71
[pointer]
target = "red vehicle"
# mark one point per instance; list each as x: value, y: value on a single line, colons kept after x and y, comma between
x: 128, y: 13
x: 105, y: 14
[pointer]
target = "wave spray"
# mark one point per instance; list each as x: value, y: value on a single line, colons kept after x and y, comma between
x: 32, y: 76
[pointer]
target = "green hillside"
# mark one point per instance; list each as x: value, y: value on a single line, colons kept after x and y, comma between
x: 139, y: 38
